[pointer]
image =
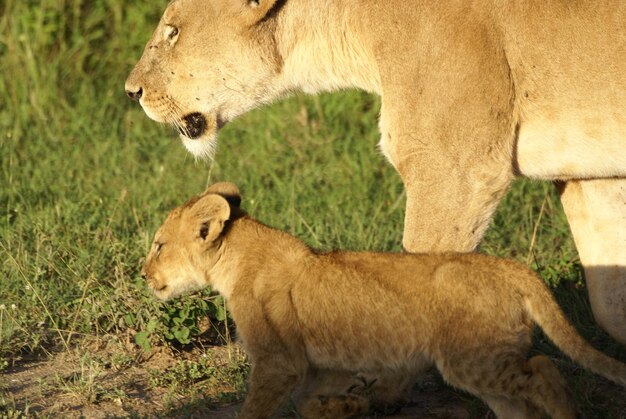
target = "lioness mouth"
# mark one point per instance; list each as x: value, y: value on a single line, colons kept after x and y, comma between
x: 195, y: 125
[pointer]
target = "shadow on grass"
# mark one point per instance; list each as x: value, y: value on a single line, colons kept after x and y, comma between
x: 198, y: 409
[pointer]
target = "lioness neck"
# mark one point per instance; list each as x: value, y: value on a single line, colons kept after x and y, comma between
x: 322, y: 50
x: 248, y: 248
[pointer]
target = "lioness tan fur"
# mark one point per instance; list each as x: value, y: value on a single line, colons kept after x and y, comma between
x: 473, y: 94
x: 300, y: 313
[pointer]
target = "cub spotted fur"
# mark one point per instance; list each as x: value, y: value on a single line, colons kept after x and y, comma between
x: 302, y: 314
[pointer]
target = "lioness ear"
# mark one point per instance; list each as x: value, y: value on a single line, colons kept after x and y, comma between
x: 227, y: 190
x: 254, y: 11
x: 208, y: 216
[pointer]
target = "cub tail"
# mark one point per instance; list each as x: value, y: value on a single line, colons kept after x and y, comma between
x: 545, y: 311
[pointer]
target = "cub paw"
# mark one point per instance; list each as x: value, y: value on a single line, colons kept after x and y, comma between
x: 335, y: 407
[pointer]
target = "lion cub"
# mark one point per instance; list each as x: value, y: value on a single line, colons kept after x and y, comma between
x: 302, y: 314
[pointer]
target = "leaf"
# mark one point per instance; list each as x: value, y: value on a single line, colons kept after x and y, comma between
x: 184, y: 313
x: 182, y: 335
x: 143, y: 340
x: 220, y: 313
x: 129, y: 319
x: 152, y: 325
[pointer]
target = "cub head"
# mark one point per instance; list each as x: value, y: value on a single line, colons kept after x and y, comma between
x: 186, y: 246
x: 207, y: 62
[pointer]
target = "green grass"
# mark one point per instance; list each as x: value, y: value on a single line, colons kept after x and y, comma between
x: 86, y: 177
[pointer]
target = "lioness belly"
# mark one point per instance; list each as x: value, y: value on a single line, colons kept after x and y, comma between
x: 568, y: 66
x: 576, y: 145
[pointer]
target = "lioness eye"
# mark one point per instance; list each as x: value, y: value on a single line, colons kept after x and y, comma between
x: 173, y: 32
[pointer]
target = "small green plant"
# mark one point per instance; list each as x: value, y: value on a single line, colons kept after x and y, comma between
x: 184, y: 373
x: 83, y: 384
x: 219, y: 380
x: 180, y: 320
x: 143, y: 338
x: 121, y: 361
x: 559, y: 270
x: 9, y: 410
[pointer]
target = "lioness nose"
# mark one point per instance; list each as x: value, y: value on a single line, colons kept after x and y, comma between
x: 135, y: 95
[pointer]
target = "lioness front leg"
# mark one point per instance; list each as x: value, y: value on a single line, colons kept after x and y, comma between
x: 271, y: 385
x: 450, y: 133
x: 455, y: 221
x: 449, y: 204
x: 596, y: 211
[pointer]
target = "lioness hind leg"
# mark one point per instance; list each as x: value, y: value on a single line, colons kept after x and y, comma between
x: 596, y: 212
x: 333, y: 407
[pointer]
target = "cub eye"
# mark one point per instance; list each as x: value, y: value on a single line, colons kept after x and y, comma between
x: 157, y: 248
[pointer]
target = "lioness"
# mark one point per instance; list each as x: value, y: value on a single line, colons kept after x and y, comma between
x: 299, y: 312
x: 473, y: 94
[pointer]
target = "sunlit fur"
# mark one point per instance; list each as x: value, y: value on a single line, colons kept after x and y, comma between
x: 311, y: 321
x: 473, y: 94
x: 202, y: 149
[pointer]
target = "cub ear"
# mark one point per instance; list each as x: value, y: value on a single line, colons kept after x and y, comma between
x: 227, y: 190
x: 208, y: 216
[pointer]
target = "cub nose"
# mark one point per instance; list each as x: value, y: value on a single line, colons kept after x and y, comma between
x: 134, y: 95
x: 144, y: 275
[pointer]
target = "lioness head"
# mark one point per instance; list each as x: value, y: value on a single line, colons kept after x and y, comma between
x: 186, y: 246
x: 206, y: 63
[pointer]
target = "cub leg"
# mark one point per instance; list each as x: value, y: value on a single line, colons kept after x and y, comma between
x: 505, y: 407
x: 271, y: 385
x: 548, y: 389
x: 514, y: 387
x: 596, y: 211
x: 340, y: 406
x: 327, y: 392
x: 391, y: 390
x: 324, y: 394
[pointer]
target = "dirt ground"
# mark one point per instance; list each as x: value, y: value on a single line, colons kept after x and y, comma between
x: 116, y: 380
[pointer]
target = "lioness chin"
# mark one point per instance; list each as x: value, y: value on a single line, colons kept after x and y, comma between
x: 301, y: 314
